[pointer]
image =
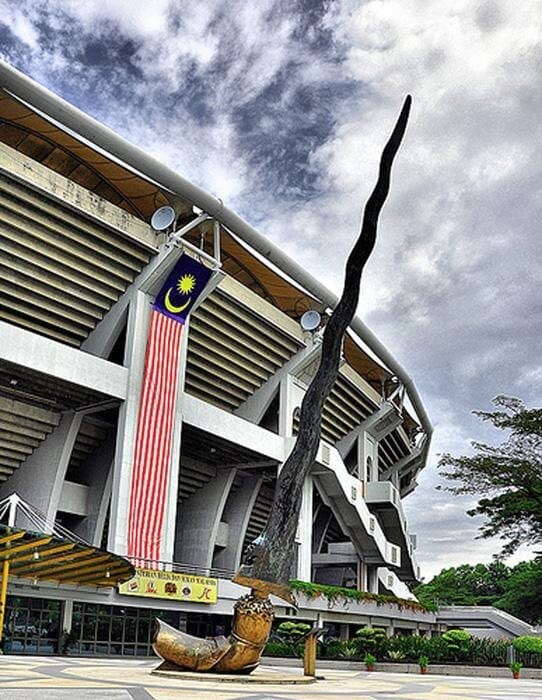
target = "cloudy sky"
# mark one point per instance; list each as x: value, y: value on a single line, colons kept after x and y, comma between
x: 281, y: 108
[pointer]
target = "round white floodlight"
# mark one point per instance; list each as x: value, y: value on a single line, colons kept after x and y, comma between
x: 163, y: 218
x: 310, y: 320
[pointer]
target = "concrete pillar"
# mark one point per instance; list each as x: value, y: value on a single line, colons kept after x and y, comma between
x: 198, y: 520
x: 344, y: 631
x: 99, y: 467
x: 134, y: 359
x: 237, y: 515
x: 286, y: 407
x: 372, y: 579
x: 40, y: 478
x: 362, y: 578
x: 67, y: 616
x: 304, y: 532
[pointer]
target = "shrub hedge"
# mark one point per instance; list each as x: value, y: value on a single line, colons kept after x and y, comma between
x: 528, y: 645
x: 448, y: 648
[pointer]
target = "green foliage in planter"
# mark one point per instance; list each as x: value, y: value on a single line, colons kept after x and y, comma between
x: 486, y: 652
x: 516, y: 667
x: 369, y: 659
x: 336, y: 594
x: 528, y: 645
x: 423, y: 661
x: 396, y: 655
x: 331, y: 648
x: 475, y: 652
x: 279, y: 649
x: 412, y: 647
x: 349, y: 650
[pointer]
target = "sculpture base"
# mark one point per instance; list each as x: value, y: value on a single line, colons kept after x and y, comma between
x: 258, y: 676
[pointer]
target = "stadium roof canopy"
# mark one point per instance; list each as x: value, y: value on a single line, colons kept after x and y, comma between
x: 40, y: 126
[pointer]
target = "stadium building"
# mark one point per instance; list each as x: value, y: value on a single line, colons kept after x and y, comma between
x: 81, y: 266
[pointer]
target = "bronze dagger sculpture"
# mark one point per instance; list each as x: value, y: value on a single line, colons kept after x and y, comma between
x: 268, y: 565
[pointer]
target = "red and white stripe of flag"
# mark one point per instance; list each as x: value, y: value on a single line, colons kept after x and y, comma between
x: 154, y: 437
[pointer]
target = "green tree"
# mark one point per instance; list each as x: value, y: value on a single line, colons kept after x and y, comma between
x: 517, y: 590
x: 508, y: 477
x: 468, y: 584
x: 522, y: 595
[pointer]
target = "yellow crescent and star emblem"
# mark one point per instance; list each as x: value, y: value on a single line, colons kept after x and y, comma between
x: 185, y: 285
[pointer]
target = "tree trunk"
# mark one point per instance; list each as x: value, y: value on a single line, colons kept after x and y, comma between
x: 270, y: 557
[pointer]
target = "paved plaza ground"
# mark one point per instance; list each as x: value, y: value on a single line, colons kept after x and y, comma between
x: 25, y: 678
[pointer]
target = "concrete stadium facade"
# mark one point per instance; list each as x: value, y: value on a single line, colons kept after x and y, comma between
x: 80, y: 267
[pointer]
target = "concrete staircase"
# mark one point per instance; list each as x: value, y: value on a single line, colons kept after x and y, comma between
x: 485, y: 621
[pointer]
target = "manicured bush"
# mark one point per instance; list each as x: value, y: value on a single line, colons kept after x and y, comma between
x: 458, y: 644
x: 528, y: 645
x: 456, y: 636
x: 371, y: 640
x: 292, y: 630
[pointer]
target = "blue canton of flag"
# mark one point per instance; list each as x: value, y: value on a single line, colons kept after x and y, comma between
x: 184, y: 284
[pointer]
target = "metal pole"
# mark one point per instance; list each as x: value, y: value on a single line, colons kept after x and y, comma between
x: 3, y: 597
x: 216, y: 240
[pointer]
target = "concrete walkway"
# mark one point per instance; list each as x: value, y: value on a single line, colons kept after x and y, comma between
x: 58, y: 678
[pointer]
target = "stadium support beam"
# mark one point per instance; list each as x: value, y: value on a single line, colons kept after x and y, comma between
x: 379, y: 424
x: 304, y: 532
x: 40, y: 478
x: 100, y: 464
x: 406, y: 464
x: 58, y: 361
x: 237, y: 514
x: 255, y: 406
x: 199, y: 519
x: 227, y: 426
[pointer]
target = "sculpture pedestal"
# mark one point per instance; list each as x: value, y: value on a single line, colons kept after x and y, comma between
x: 260, y: 676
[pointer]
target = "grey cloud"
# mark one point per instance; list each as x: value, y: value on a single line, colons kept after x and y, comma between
x: 282, y: 108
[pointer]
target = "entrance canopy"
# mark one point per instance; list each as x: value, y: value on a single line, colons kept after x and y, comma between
x: 51, y: 553
x: 33, y: 547
x: 39, y: 556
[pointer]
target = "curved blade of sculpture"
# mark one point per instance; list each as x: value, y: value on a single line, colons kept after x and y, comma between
x: 269, y: 562
x: 239, y: 653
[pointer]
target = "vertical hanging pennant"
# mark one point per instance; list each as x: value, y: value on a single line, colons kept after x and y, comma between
x: 154, y: 434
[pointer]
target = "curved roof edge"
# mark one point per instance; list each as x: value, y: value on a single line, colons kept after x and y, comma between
x: 89, y: 128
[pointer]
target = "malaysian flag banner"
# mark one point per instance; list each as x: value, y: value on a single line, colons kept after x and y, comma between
x: 154, y: 435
